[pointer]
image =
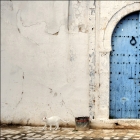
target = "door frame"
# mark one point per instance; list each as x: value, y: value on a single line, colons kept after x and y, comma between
x: 104, y: 57
x: 101, y: 77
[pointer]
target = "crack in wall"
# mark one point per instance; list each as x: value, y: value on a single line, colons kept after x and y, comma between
x: 20, y: 22
x: 22, y: 82
x: 21, y: 33
x: 19, y: 101
x: 31, y: 24
x: 38, y: 23
x: 22, y: 90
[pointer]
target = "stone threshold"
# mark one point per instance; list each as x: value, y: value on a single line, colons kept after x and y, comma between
x: 116, y: 123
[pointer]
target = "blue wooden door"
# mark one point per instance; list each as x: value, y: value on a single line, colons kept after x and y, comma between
x: 125, y: 68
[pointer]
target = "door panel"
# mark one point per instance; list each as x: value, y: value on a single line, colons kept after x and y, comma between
x: 125, y: 68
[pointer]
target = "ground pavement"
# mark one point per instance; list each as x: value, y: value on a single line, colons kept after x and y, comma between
x: 36, y: 133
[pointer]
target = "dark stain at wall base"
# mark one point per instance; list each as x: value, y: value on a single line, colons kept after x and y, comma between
x: 117, y: 124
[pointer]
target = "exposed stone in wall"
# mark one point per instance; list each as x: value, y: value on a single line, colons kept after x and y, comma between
x: 91, y: 29
x: 78, y: 19
x: 103, y: 85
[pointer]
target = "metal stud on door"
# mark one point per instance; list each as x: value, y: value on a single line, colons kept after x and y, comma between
x: 125, y: 68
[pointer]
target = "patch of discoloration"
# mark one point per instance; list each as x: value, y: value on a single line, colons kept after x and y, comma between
x: 78, y: 21
x: 28, y: 121
x: 72, y: 55
x: 123, y: 100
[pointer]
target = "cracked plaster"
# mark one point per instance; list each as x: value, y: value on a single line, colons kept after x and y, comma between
x: 40, y: 59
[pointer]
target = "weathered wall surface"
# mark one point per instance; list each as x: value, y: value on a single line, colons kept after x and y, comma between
x: 44, y: 66
x: 55, y: 59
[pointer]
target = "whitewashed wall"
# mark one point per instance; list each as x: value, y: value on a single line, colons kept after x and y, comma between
x: 44, y: 66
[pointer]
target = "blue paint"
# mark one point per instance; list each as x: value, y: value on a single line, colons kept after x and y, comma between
x: 125, y: 69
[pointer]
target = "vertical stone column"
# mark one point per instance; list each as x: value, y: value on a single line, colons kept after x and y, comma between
x: 91, y: 29
x: 104, y: 85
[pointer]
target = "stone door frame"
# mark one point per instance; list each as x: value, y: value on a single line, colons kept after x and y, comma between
x: 99, y: 60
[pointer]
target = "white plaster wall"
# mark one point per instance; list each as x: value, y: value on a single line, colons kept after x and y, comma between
x: 44, y: 68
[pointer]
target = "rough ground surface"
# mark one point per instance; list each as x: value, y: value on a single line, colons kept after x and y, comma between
x: 36, y: 133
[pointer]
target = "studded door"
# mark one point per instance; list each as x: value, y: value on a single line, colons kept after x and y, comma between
x: 125, y: 68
